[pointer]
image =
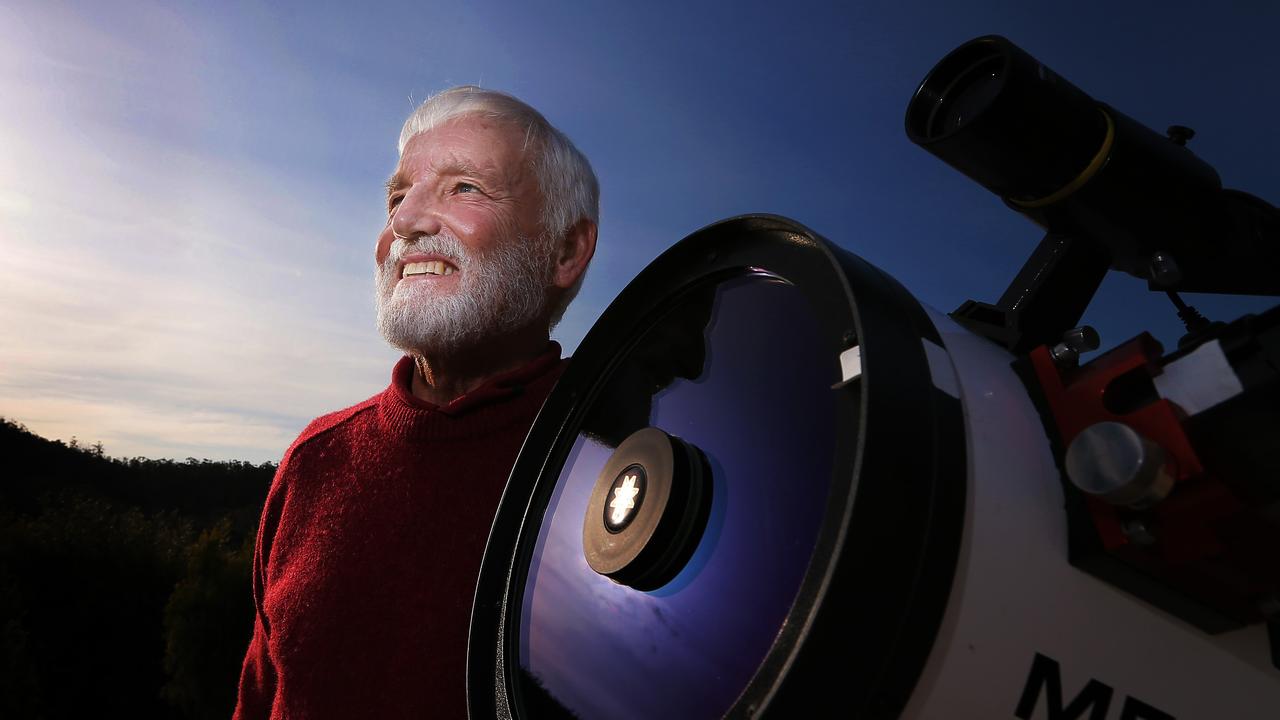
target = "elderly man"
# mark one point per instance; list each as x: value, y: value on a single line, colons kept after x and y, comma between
x: 374, y: 527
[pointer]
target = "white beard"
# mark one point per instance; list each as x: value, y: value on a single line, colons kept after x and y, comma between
x: 499, y: 292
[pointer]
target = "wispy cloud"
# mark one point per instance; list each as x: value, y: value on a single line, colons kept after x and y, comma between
x: 189, y: 193
x: 184, y: 271
x: 157, y: 296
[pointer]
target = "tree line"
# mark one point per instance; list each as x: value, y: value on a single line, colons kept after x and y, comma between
x: 124, y: 583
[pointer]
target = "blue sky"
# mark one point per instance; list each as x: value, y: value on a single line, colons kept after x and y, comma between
x: 189, y: 193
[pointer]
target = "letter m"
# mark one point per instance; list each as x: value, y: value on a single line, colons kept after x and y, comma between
x: 1045, y: 673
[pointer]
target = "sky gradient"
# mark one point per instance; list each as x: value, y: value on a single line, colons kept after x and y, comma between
x: 189, y: 194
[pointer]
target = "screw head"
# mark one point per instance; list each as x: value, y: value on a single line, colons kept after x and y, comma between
x: 1074, y: 341
x: 1083, y: 338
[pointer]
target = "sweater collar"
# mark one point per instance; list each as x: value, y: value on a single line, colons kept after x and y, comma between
x: 495, y: 403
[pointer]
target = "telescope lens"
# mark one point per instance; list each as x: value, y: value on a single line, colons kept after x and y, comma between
x: 797, y: 520
x: 967, y: 96
x: 741, y: 372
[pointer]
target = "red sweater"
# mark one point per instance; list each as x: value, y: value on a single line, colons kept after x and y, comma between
x: 369, y: 548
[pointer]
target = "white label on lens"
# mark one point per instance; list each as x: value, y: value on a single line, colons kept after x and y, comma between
x: 850, y: 365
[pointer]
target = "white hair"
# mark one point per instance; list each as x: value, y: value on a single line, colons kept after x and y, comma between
x: 570, y: 191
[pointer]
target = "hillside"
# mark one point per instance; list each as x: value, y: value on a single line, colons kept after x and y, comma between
x: 124, y: 583
x: 33, y: 466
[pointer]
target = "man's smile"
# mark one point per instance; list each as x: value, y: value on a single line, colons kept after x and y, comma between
x: 425, y: 265
x: 433, y: 267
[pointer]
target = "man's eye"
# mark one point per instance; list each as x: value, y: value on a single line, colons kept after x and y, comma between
x: 463, y: 187
x: 393, y: 202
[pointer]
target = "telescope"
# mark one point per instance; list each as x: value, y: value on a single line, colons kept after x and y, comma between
x: 772, y: 483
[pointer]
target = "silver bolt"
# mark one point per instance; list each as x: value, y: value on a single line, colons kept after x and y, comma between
x: 1074, y: 342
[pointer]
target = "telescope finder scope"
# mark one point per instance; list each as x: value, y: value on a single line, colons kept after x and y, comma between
x: 1079, y: 168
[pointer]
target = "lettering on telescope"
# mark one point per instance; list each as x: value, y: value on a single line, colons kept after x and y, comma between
x: 1091, y: 703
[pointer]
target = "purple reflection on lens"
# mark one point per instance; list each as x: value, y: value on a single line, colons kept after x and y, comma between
x: 763, y: 412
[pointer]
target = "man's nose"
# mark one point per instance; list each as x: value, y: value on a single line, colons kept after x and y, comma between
x: 417, y: 214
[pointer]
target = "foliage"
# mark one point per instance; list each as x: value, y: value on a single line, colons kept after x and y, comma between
x: 211, y: 602
x: 124, y: 584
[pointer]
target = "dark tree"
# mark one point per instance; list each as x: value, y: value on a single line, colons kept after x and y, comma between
x: 124, y: 584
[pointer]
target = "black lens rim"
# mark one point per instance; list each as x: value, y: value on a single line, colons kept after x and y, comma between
x: 937, y: 91
x: 899, y: 489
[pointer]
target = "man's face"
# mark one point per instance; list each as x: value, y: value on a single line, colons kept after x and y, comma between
x: 462, y: 257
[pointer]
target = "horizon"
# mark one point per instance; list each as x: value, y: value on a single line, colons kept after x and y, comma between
x: 97, y: 449
x: 189, y: 195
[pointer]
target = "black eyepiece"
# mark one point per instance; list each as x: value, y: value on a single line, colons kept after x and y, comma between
x: 1081, y: 169
x: 1001, y: 117
x: 955, y: 95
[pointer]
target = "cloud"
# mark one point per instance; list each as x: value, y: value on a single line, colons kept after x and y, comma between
x: 159, y: 296
x: 187, y: 208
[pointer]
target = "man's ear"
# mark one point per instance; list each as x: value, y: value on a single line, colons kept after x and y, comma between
x: 573, y: 253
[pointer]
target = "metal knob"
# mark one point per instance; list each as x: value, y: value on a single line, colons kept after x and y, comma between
x: 1112, y: 461
x: 1075, y: 341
